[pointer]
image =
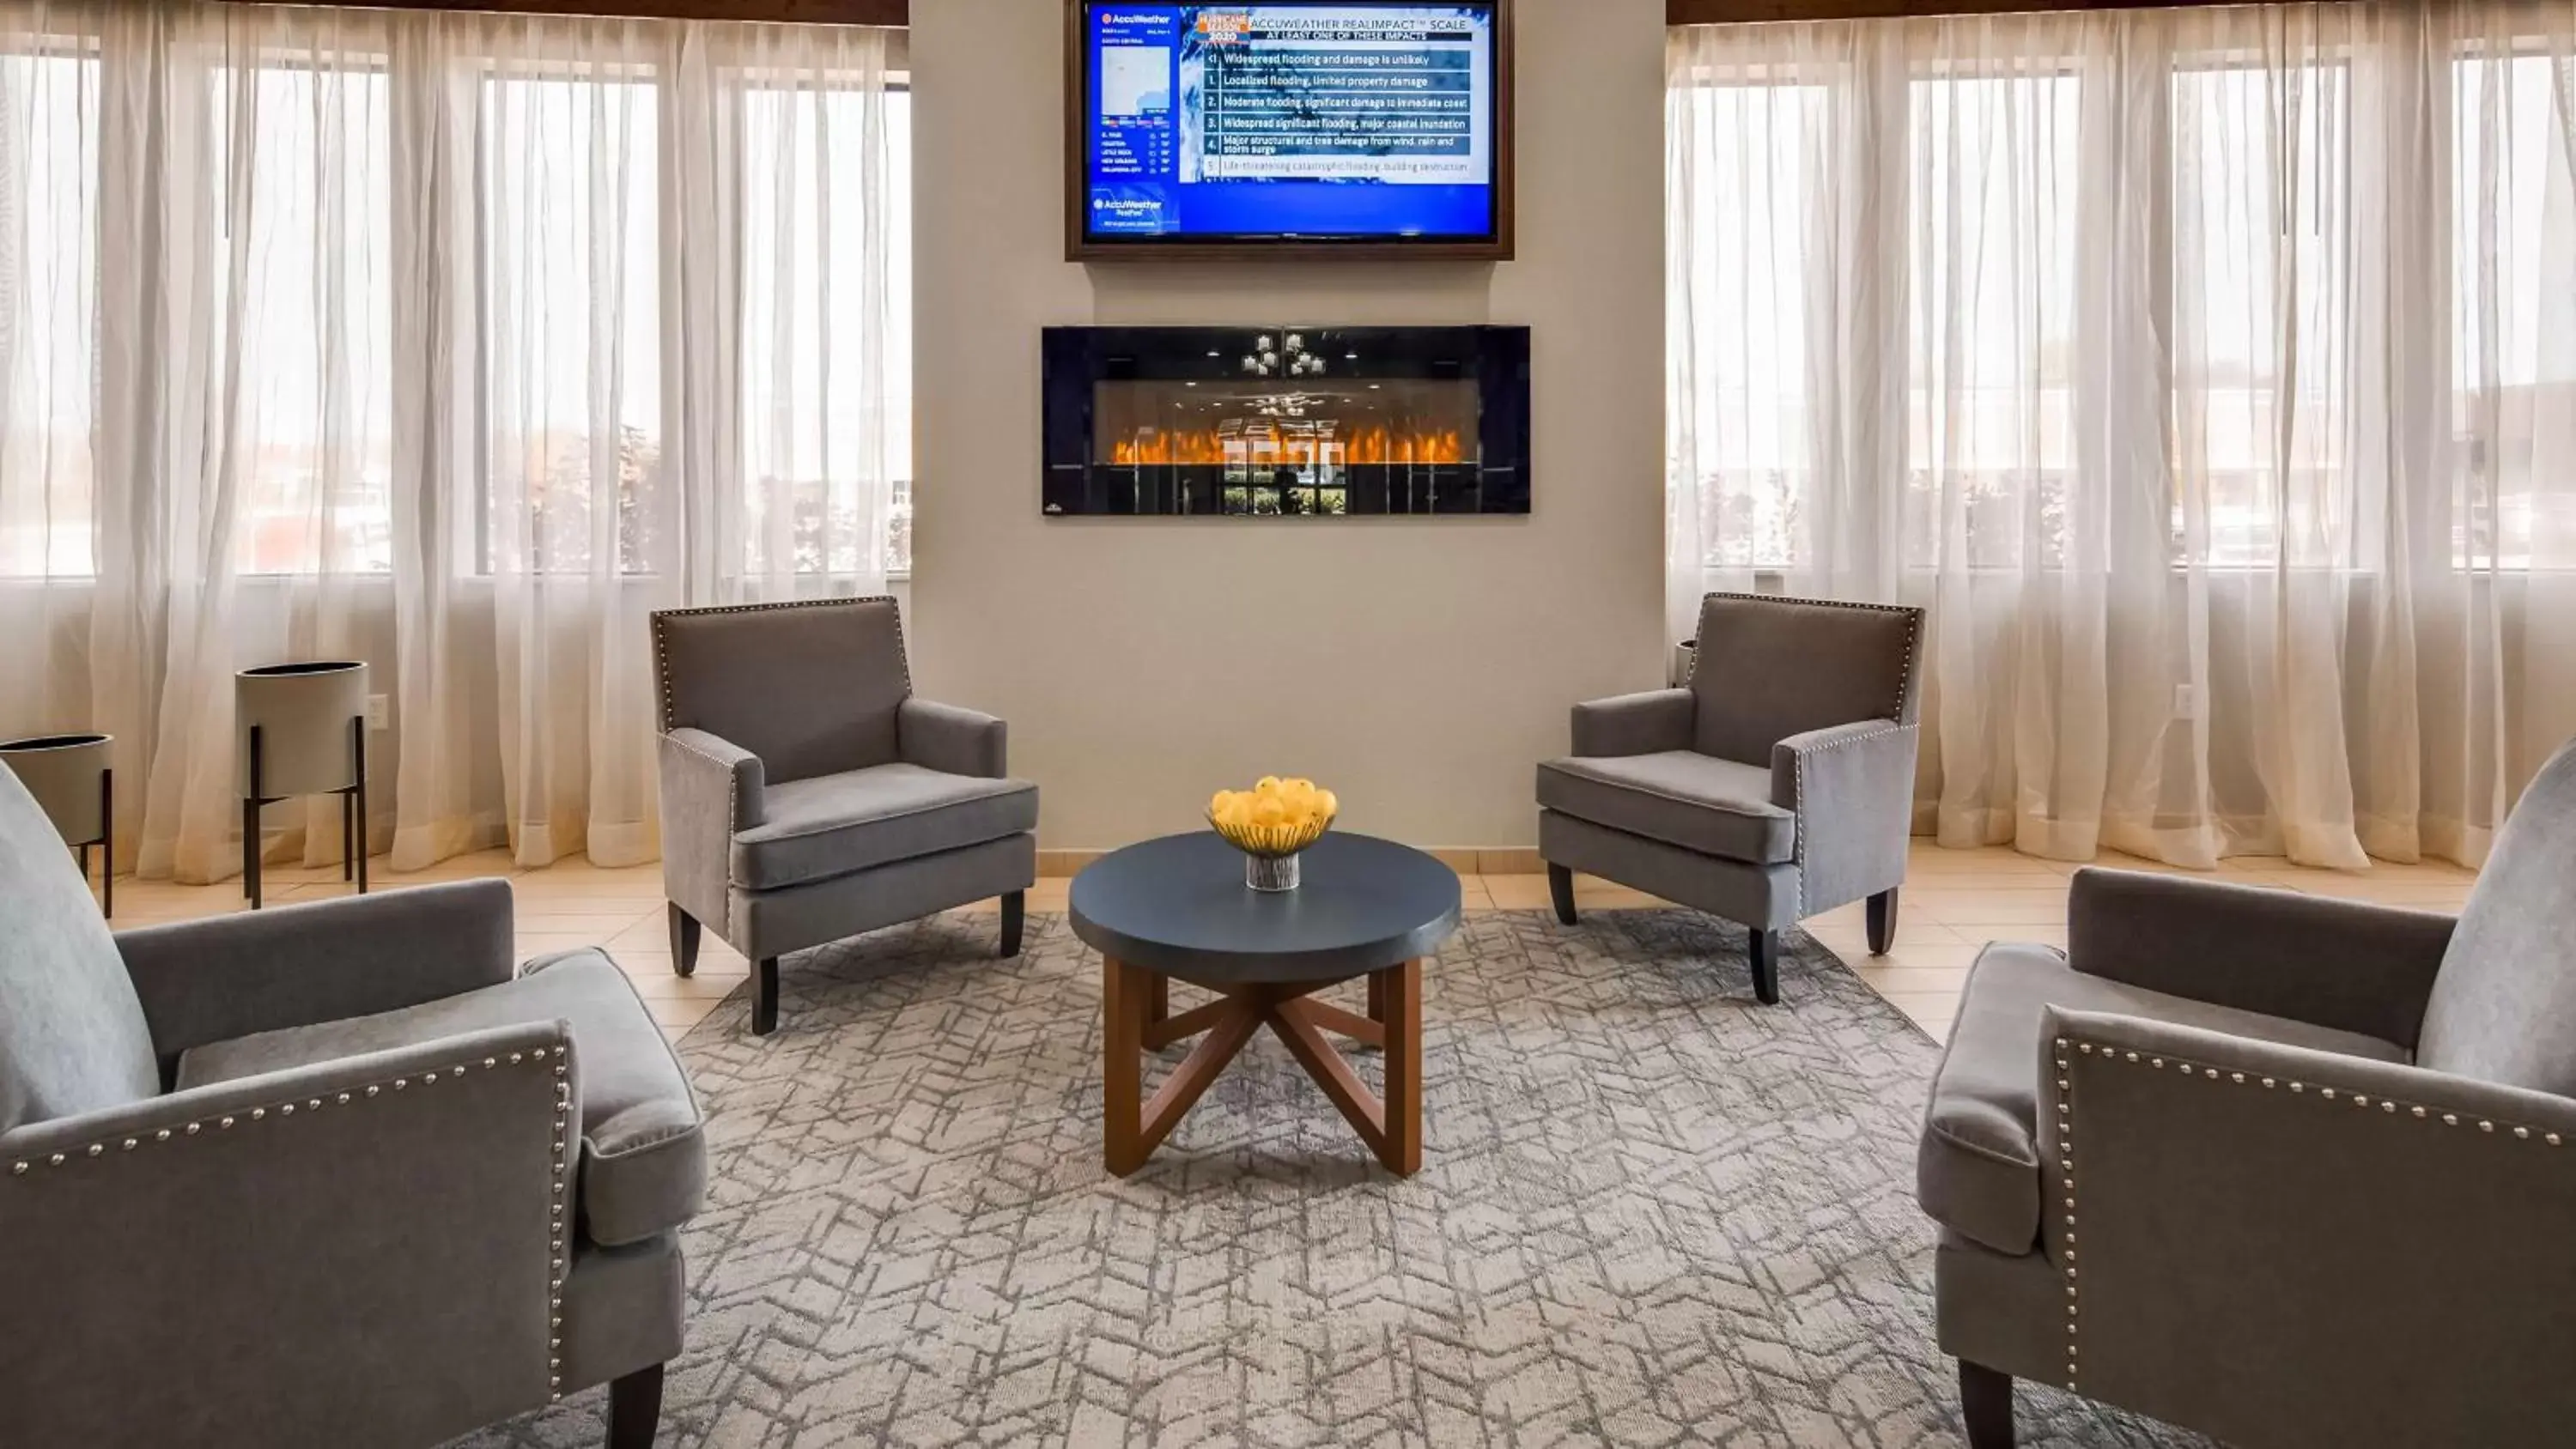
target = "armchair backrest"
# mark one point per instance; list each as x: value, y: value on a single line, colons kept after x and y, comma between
x: 811, y: 688
x: 2503, y: 1008
x: 72, y: 1034
x: 1768, y: 668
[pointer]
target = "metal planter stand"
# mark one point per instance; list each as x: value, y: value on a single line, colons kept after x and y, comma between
x: 295, y: 717
x: 58, y: 771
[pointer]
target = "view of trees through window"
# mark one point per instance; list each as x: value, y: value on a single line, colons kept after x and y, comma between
x: 571, y: 412
x: 2262, y: 303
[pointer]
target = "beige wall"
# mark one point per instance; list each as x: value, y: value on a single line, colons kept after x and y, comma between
x: 1418, y: 667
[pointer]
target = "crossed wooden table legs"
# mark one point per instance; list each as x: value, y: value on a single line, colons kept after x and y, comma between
x: 1139, y: 1019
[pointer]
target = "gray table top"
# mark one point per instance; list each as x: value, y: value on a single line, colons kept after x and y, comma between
x: 1178, y: 907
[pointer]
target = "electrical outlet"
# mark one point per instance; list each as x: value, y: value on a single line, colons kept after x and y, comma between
x: 2186, y: 701
x: 377, y: 711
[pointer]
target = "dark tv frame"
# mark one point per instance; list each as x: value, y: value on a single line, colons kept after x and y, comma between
x: 1078, y: 247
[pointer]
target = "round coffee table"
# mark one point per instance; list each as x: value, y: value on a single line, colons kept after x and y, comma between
x: 1178, y: 908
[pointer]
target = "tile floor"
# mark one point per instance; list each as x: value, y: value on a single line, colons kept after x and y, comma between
x: 1954, y: 902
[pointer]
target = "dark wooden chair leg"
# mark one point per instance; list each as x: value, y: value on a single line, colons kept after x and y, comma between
x: 1882, y: 922
x: 1762, y: 950
x: 764, y: 997
x: 684, y: 941
x: 1560, y: 889
x: 635, y: 1408
x: 250, y: 825
x: 1986, y: 1404
x: 107, y: 843
x: 358, y: 805
x: 1014, y: 916
x: 348, y: 836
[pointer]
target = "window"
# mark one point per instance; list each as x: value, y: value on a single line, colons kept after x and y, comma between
x: 827, y: 332
x: 48, y: 312
x: 2513, y: 309
x: 2251, y: 292
x: 2262, y: 270
x: 563, y: 308
x: 1989, y: 380
x: 576, y: 339
x: 572, y: 325
x: 304, y: 270
x: 1745, y: 159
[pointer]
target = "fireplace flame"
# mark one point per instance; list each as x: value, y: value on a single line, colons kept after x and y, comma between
x: 1371, y: 444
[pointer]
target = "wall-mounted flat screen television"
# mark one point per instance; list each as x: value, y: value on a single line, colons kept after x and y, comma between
x: 1316, y: 127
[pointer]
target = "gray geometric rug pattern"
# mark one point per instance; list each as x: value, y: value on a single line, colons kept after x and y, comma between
x: 1650, y: 1212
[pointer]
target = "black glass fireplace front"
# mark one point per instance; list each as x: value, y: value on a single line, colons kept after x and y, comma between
x: 1270, y: 422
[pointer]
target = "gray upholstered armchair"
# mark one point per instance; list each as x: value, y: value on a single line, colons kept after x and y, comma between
x: 1776, y: 785
x: 808, y: 796
x: 332, y: 1174
x: 2321, y: 1157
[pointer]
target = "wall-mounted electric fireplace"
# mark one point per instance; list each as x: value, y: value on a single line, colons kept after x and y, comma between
x: 1268, y: 422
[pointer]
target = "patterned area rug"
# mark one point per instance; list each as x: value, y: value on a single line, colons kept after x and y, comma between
x: 1650, y: 1212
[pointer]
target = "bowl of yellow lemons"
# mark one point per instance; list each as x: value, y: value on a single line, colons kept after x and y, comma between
x: 1270, y: 823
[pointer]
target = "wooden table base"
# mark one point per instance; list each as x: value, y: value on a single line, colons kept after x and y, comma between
x: 1139, y: 1018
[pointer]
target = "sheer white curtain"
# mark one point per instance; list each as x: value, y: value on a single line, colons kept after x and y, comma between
x: 454, y: 342
x: 2207, y: 373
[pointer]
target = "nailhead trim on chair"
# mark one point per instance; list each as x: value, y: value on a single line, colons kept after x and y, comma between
x: 555, y: 1217
x: 662, y: 653
x: 2066, y: 1175
x: 1913, y: 631
x: 561, y: 1167
x: 2200, y: 1071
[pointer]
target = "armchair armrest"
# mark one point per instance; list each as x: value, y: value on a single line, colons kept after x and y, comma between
x: 714, y: 777
x: 957, y: 741
x: 1634, y: 724
x: 227, y: 976
x: 2343, y: 964
x: 1852, y: 788
x: 711, y: 788
x: 308, y: 1242
x: 2306, y: 1247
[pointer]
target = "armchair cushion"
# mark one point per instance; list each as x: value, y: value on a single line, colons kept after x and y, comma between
x: 643, y: 1163
x: 1978, y: 1171
x: 859, y: 819
x: 1698, y: 802
x: 73, y: 1037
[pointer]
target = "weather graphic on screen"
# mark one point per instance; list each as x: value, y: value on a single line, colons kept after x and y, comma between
x: 1291, y: 121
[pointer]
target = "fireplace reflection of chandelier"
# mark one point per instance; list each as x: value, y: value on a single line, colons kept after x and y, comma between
x: 1171, y: 421
x: 1315, y: 450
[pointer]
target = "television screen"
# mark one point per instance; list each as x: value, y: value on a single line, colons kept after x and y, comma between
x: 1325, y: 122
